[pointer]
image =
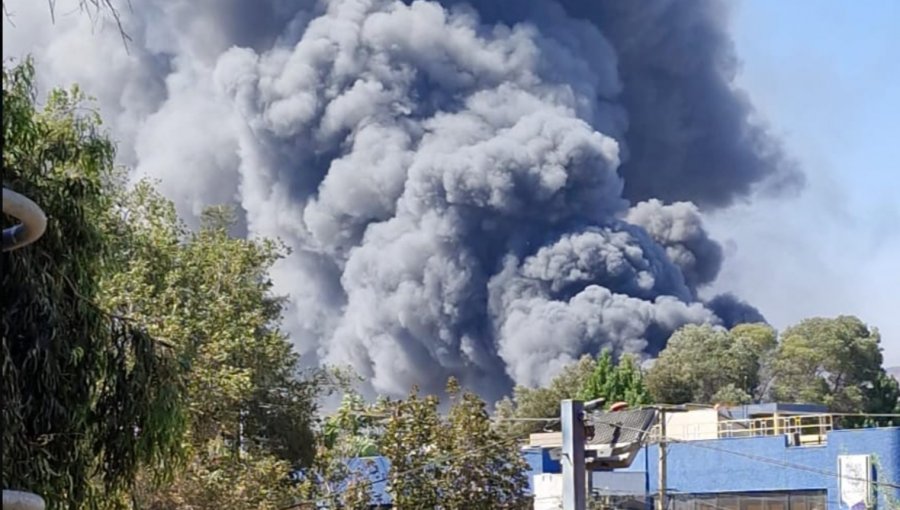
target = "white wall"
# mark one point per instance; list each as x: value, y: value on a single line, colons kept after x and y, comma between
x: 548, y: 491
x: 693, y: 425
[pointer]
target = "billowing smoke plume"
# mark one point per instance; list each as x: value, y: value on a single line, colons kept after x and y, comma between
x: 486, y: 189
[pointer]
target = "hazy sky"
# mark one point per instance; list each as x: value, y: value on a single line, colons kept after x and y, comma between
x: 826, y: 75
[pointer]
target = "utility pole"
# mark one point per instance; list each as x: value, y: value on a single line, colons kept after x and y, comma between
x: 661, y: 447
x: 573, y: 468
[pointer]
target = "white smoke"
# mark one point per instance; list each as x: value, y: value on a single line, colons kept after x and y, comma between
x: 452, y: 187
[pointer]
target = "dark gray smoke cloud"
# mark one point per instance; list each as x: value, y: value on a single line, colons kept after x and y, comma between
x: 679, y: 229
x: 486, y: 191
x: 691, y: 134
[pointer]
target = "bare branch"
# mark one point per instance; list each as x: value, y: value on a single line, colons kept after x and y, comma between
x: 89, y: 7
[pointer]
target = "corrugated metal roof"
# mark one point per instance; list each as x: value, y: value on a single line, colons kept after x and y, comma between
x: 621, y: 426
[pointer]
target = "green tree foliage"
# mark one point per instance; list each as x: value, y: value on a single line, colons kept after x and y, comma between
x: 135, y: 350
x: 616, y: 382
x: 352, y: 431
x: 586, y: 379
x: 706, y: 364
x: 755, y: 346
x: 89, y: 396
x: 836, y: 362
x: 883, y: 397
x: 214, y: 478
x: 483, y: 470
x: 455, y: 463
x: 409, y: 442
x: 353, y: 428
x: 541, y: 402
x: 249, y: 412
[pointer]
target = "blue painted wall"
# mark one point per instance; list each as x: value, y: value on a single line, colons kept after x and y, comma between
x: 737, y: 465
x: 733, y: 465
x: 375, y: 469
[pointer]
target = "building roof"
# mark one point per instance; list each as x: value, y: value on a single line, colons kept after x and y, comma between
x: 621, y: 426
x: 751, y: 410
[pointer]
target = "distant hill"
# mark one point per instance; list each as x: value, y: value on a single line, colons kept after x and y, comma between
x: 894, y: 371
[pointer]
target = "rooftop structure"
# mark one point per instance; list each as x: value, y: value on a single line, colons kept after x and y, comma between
x: 803, y: 424
x: 612, y: 441
x: 738, y: 458
x: 755, y: 457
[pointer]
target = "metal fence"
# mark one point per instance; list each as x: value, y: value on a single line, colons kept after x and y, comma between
x: 802, y: 430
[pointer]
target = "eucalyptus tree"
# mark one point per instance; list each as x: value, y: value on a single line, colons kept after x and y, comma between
x: 89, y: 394
x: 142, y: 360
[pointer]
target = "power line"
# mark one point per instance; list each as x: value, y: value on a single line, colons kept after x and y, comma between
x: 870, y: 415
x: 800, y: 467
x: 760, y: 458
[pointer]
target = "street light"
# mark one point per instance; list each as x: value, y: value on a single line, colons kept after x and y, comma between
x: 34, y: 222
x: 32, y: 226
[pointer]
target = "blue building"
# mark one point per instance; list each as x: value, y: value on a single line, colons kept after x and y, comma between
x: 760, y: 457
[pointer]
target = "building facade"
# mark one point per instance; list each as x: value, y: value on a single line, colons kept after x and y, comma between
x: 763, y: 457
x: 760, y: 457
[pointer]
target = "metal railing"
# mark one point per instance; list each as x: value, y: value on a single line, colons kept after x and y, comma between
x: 809, y: 429
x: 801, y: 430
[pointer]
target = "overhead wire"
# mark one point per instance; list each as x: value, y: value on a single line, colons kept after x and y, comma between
x: 761, y: 458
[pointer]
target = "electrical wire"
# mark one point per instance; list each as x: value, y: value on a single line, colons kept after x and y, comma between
x: 758, y: 458
x: 799, y: 467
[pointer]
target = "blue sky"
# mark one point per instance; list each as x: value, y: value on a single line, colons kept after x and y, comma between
x: 825, y: 75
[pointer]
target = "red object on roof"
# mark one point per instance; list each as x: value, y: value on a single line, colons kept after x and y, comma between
x: 618, y: 406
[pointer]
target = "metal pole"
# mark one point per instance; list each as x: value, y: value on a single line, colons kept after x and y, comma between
x: 573, y: 468
x: 32, y: 226
x: 661, y: 497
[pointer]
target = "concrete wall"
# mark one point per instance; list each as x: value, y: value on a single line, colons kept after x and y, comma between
x: 762, y: 464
